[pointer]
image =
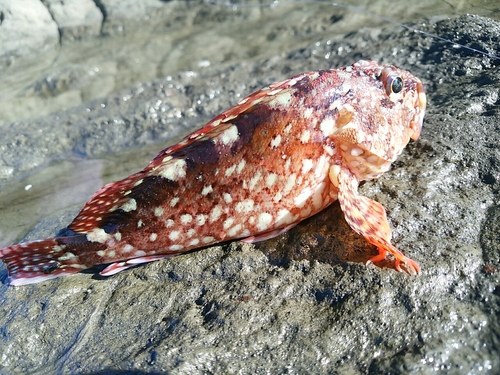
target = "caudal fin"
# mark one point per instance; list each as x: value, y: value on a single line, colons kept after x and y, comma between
x: 32, y: 262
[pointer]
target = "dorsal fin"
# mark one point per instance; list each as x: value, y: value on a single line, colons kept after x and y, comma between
x: 107, y: 199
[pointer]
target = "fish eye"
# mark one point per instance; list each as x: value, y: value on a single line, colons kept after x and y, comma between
x: 394, y: 85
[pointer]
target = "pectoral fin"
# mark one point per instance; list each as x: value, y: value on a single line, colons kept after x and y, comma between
x: 369, y: 219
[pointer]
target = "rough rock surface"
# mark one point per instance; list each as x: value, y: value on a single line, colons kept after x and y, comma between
x: 75, y: 18
x: 25, y: 27
x: 302, y: 302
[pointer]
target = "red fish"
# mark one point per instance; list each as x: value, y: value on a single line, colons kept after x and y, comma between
x: 281, y: 155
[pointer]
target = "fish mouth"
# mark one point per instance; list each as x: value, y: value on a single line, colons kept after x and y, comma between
x: 418, y: 119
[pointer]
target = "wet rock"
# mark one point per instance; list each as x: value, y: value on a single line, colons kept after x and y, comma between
x: 304, y: 301
x: 25, y: 27
x: 75, y: 18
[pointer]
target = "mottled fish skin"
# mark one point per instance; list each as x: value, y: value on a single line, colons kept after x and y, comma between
x: 281, y: 155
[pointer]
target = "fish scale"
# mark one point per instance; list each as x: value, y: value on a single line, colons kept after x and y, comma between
x: 281, y: 155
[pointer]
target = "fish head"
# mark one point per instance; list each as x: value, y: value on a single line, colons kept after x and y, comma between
x: 381, y: 109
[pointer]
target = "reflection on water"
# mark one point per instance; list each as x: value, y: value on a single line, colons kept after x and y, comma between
x: 59, y: 185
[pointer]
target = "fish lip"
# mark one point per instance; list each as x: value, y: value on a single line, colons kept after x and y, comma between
x: 418, y: 119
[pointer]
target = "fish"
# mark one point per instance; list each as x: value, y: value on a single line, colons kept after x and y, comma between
x: 281, y: 155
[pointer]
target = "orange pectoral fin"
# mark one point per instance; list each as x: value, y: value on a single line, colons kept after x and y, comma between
x: 368, y: 218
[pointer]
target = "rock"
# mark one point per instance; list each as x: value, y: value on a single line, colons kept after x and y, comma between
x: 75, y: 18
x: 302, y: 302
x: 123, y: 14
x: 25, y: 27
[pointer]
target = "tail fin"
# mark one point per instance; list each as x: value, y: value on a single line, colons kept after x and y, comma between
x: 32, y: 262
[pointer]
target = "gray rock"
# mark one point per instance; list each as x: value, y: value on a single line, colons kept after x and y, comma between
x: 75, y: 18
x: 121, y: 14
x: 303, y: 302
x: 26, y: 26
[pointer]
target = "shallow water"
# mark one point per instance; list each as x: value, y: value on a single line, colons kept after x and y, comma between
x: 148, y: 49
x: 205, y: 35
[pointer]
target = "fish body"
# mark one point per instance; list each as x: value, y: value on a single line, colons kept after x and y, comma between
x: 281, y: 155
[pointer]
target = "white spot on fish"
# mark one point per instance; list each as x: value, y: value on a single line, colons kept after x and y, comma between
x: 228, y: 222
x: 174, y: 170
x: 307, y: 112
x: 111, y: 254
x: 127, y: 248
x: 271, y: 179
x: 305, y: 136
x: 190, y: 233
x: 174, y: 201
x: 169, y: 223
x: 194, y: 242
x: 321, y: 167
x: 288, y: 129
x: 208, y: 239
x: 264, y: 221
x: 131, y: 205
x: 98, y: 235
x: 328, y: 150
x: 158, y: 211
x: 283, y: 99
x: 227, y: 198
x: 234, y: 230
x: 186, y: 219
x: 254, y: 180
x: 118, y: 236
x: 327, y: 126
x: 139, y: 253
x: 307, y: 165
x: 300, y: 200
x: 290, y: 183
x: 153, y: 237
x: 306, y: 212
x: 278, y: 196
x: 215, y: 214
x: 174, y: 235
x: 275, y: 142
x: 284, y: 216
x: 140, y: 224
x: 200, y: 219
x: 288, y: 164
x: 230, y: 170
x: 207, y: 189
x: 244, y: 206
x: 318, y: 196
x: 229, y: 136
x: 67, y: 256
